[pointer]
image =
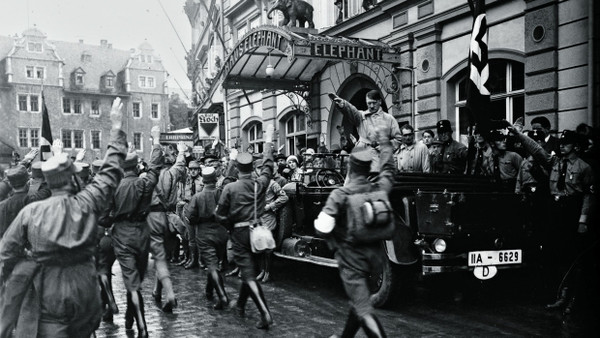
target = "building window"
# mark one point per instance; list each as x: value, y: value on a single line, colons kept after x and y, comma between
x: 34, y: 102
x: 241, y: 31
x: 22, y: 102
x: 506, y: 85
x: 142, y: 81
x: 137, y: 141
x: 23, y: 137
x: 35, y: 137
x: 142, y: 58
x: 76, y: 106
x: 29, y: 70
x: 255, y: 137
x: 66, y: 138
x: 79, y: 79
x: 137, y: 110
x: 95, y: 139
x: 78, y: 138
x: 66, y: 105
x: 295, y: 135
x: 34, y: 47
x: 28, y: 103
x: 155, y: 110
x: 39, y: 72
x: 95, y: 108
x: 109, y: 82
x: 150, y: 82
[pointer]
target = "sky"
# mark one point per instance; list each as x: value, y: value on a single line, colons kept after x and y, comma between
x: 124, y: 23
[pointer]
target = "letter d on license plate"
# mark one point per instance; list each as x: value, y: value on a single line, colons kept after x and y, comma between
x: 500, y: 257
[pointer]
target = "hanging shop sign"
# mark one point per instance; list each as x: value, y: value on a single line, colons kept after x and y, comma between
x: 208, y: 124
x: 176, y: 137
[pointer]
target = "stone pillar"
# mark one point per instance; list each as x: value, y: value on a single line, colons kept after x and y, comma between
x: 541, y: 78
x: 428, y: 72
x: 234, y: 121
x: 269, y: 113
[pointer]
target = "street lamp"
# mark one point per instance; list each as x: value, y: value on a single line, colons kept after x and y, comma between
x: 270, y: 70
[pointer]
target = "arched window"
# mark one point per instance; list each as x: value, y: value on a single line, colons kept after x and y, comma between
x: 255, y: 137
x: 295, y: 133
x: 506, y: 84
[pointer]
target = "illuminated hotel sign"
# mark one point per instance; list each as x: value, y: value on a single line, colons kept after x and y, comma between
x: 345, y: 52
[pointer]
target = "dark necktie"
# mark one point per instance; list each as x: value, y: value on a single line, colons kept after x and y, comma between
x: 193, y: 187
x: 478, y: 163
x: 563, y: 175
x: 497, y: 169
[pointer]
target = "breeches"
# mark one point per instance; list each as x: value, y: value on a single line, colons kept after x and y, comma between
x: 355, y: 264
x: 157, y: 222
x: 131, y: 242
x: 242, y: 253
x: 212, y: 246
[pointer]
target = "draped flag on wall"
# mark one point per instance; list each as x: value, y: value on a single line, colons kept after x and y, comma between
x: 46, y: 140
x: 478, y: 94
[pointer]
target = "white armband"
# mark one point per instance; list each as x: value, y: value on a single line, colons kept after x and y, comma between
x: 324, y: 223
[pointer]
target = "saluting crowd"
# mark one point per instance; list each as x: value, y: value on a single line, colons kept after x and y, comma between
x: 64, y: 223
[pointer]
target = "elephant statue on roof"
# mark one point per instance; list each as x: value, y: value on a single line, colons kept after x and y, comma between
x: 294, y: 10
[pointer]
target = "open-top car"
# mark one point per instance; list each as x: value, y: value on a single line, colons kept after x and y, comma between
x: 444, y: 223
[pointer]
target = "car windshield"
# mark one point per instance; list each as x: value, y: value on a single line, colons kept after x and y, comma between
x: 324, y: 169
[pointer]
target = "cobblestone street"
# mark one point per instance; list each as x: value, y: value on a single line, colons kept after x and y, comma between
x: 309, y: 301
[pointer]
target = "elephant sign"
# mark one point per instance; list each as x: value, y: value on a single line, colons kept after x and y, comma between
x: 294, y: 10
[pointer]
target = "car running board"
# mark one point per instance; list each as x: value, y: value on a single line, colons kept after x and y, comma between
x: 332, y: 263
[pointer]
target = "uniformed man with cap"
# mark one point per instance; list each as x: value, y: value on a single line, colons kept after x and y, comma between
x: 130, y: 232
x: 18, y: 177
x: 163, y: 214
x: 503, y: 165
x: 571, y: 185
x: 237, y: 209
x: 193, y: 184
x: 452, y: 155
x: 211, y: 237
x: 52, y: 290
x: 357, y: 260
x: 37, y: 177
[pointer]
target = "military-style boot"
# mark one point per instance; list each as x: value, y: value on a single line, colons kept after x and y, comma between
x: 352, y: 325
x: 372, y: 327
x: 138, y: 307
x: 209, y: 291
x: 261, y: 303
x: 193, y: 262
x: 242, y: 299
x: 171, y: 301
x: 129, y: 313
x: 186, y: 253
x: 561, y: 301
x: 267, y: 277
x: 157, y: 292
x: 106, y: 286
x: 223, y: 300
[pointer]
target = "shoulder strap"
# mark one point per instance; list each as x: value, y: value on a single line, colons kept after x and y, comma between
x: 255, y: 198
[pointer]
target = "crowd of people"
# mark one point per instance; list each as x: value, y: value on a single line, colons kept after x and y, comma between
x: 64, y: 223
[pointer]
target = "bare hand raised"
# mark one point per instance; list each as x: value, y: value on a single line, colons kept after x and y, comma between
x: 116, y: 114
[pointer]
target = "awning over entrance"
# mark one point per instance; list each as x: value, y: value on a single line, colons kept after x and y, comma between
x: 295, y: 57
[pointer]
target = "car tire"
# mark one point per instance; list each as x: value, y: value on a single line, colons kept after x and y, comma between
x: 384, y: 285
x: 285, y: 224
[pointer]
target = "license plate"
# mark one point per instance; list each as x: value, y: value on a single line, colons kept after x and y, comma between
x: 500, y: 257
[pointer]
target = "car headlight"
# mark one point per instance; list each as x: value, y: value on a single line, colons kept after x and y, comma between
x: 439, y: 245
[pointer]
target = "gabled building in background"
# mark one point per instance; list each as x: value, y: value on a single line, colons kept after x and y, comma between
x: 80, y: 82
x: 415, y: 52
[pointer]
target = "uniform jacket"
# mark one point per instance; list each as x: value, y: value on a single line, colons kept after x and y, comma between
x: 51, y: 244
x: 10, y: 207
x: 366, y: 122
x: 275, y: 199
x: 201, y: 209
x: 165, y: 192
x: 451, y: 159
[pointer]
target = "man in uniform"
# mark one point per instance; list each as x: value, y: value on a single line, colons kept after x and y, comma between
x: 237, y: 209
x: 367, y: 121
x: 18, y: 178
x: 357, y: 260
x: 37, y: 177
x: 47, y: 269
x: 193, y: 184
x: 503, y: 165
x: 452, y: 155
x: 551, y: 144
x: 413, y: 157
x: 275, y: 199
x: 162, y: 208
x: 573, y: 201
x: 211, y: 237
x: 130, y: 233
